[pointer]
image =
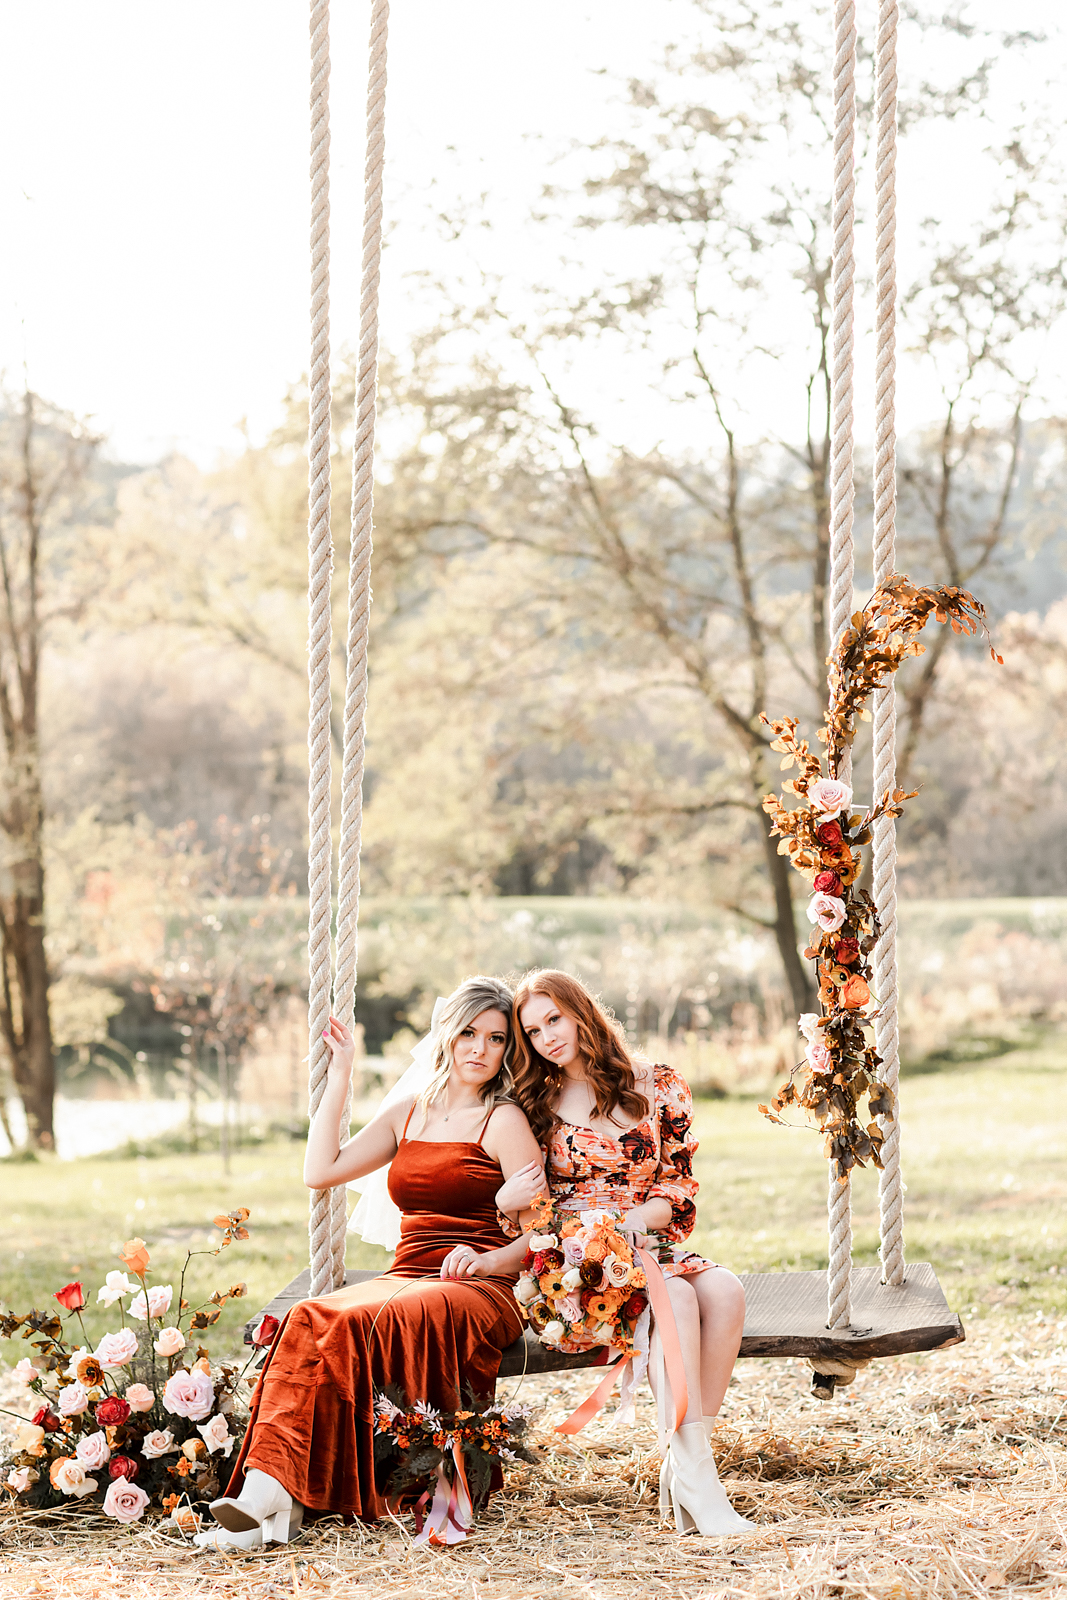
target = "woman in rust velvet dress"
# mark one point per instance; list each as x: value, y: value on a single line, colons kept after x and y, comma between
x: 310, y: 1437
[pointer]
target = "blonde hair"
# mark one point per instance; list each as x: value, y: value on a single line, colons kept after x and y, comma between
x: 473, y: 996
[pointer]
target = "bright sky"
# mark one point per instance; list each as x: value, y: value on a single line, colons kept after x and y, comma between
x: 153, y: 186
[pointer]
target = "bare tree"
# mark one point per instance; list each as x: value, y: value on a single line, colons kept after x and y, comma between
x: 45, y: 455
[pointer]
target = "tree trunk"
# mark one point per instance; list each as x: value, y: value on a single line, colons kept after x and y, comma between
x: 25, y: 1018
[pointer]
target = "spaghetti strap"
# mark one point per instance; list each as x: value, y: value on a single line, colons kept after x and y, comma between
x: 410, y: 1114
x: 485, y: 1125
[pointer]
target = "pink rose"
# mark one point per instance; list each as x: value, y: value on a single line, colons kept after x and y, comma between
x: 73, y: 1400
x: 124, y: 1501
x: 139, y: 1397
x: 170, y: 1342
x: 571, y: 1308
x: 20, y: 1478
x: 573, y: 1253
x: 25, y: 1372
x: 69, y: 1477
x: 189, y: 1394
x: 93, y: 1451
x: 116, y: 1349
x: 827, y: 910
x: 829, y: 797
x: 819, y: 1057
x: 159, y: 1299
x: 160, y: 1443
x: 216, y: 1435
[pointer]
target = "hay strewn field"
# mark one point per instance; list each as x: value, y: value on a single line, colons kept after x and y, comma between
x: 939, y: 1475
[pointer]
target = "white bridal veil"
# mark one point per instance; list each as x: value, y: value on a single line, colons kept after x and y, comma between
x: 375, y: 1216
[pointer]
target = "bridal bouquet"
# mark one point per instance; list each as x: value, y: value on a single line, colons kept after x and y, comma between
x: 581, y: 1283
x: 143, y: 1418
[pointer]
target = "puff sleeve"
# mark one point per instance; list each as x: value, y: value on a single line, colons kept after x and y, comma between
x: 674, y: 1180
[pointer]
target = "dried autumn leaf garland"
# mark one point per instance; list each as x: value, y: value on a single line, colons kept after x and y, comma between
x: 825, y: 843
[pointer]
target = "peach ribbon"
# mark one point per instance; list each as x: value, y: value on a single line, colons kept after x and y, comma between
x: 672, y: 1355
x: 451, y: 1514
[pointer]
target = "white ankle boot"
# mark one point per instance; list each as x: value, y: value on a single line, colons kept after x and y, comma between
x: 264, y: 1506
x: 691, y: 1481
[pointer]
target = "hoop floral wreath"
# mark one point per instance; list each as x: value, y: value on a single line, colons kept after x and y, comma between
x: 95, y: 1437
x: 826, y: 843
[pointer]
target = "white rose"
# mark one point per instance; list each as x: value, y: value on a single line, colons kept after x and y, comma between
x: 808, y: 1023
x: 216, y: 1435
x: 159, y: 1443
x: 114, y: 1286
x: 572, y: 1280
x: 553, y: 1333
x: 70, y: 1478
x: 116, y: 1349
x: 527, y: 1289
x: 73, y: 1400
x: 827, y: 910
x: 170, y: 1341
x: 829, y: 797
x: 544, y: 1241
x: 159, y: 1299
x: 25, y: 1372
x: 93, y: 1451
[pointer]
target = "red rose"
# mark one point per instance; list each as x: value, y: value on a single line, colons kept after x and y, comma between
x: 633, y: 1307
x: 827, y: 883
x: 847, y: 951
x: 538, y: 1264
x: 112, y: 1412
x: 528, y: 1261
x: 829, y: 834
x: 71, y: 1297
x: 266, y: 1330
x: 44, y: 1417
x: 123, y: 1467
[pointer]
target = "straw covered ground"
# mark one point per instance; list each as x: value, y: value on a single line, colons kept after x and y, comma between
x: 940, y: 1475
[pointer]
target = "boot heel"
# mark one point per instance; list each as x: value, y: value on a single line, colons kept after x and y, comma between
x: 283, y: 1525
x: 683, y: 1522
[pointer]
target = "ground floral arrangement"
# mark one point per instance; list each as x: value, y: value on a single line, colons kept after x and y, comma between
x: 411, y: 1442
x: 581, y: 1284
x: 127, y: 1445
x: 825, y: 842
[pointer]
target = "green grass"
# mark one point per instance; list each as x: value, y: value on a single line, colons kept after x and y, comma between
x: 984, y: 1150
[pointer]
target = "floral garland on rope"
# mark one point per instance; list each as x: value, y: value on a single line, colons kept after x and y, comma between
x: 825, y: 843
x: 94, y: 1437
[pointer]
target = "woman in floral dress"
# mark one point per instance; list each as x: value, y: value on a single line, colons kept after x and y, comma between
x: 616, y: 1131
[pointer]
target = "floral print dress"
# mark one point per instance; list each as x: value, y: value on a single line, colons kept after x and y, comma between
x: 653, y: 1161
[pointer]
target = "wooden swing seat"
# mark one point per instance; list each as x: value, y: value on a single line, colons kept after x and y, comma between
x: 785, y: 1315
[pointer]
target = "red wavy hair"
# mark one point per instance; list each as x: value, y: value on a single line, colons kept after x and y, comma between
x: 608, y: 1064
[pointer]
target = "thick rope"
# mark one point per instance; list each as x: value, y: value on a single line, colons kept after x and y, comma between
x: 842, y: 496
x: 890, y: 1187
x: 320, y: 571
x: 359, y: 593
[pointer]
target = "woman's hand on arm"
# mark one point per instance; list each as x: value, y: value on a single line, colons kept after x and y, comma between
x: 519, y: 1192
x: 326, y: 1163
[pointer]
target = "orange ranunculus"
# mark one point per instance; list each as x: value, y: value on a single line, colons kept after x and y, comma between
x: 71, y: 1297
x: 135, y: 1256
x: 855, y: 993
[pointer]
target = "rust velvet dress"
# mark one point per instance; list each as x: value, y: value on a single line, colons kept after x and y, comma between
x: 312, y: 1411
